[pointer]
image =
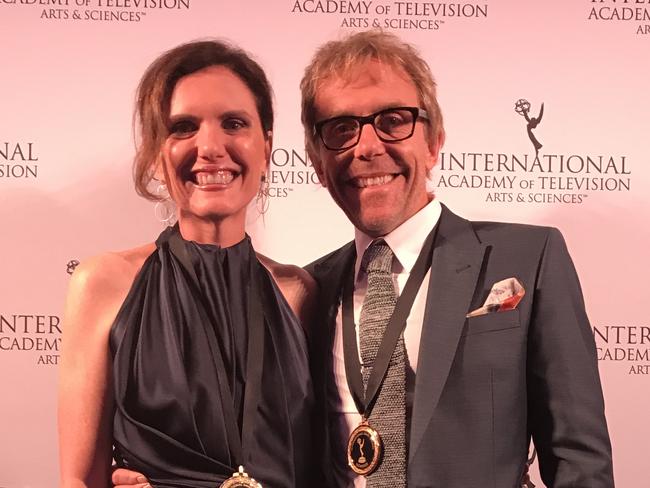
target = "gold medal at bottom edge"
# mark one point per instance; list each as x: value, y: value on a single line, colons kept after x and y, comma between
x: 365, y: 449
x: 240, y: 479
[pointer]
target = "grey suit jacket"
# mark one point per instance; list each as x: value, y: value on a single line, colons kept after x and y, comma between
x: 485, y: 385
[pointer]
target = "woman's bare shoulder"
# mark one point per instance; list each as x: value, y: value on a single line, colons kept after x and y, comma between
x: 100, y: 284
x: 111, y: 270
x: 296, y: 284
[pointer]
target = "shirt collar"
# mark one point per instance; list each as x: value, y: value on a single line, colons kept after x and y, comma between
x: 405, y: 241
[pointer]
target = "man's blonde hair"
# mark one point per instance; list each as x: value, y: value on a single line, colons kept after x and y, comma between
x: 343, y: 57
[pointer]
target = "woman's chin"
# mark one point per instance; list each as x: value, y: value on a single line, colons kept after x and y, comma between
x: 209, y: 211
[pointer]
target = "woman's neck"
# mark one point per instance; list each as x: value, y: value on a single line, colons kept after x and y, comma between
x: 222, y: 232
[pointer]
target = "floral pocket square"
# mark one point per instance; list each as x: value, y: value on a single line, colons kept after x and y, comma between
x: 504, y: 295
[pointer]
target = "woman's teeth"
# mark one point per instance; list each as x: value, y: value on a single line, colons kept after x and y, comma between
x: 217, y: 178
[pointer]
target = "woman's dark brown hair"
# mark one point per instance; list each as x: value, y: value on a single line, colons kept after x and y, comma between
x: 155, y: 91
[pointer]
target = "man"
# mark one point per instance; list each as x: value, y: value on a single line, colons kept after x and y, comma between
x: 454, y: 399
x: 482, y: 385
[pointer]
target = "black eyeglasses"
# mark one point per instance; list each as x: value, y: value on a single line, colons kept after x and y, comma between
x: 391, y: 125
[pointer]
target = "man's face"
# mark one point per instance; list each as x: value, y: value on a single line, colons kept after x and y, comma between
x: 379, y: 185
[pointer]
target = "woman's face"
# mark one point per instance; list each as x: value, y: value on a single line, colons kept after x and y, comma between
x: 216, y: 150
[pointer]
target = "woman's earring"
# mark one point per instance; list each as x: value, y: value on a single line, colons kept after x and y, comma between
x: 165, y: 209
x: 262, y: 199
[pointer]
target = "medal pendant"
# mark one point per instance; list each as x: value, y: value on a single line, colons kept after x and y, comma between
x: 364, y: 449
x: 240, y: 479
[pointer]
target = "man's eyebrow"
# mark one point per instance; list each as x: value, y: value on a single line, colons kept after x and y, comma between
x: 379, y: 108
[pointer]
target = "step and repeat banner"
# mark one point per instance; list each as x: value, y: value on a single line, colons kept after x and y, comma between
x: 546, y: 110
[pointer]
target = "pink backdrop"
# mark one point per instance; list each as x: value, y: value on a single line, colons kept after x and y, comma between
x: 69, y: 70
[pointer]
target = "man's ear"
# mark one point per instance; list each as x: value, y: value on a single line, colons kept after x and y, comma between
x: 316, y: 162
x: 435, y: 145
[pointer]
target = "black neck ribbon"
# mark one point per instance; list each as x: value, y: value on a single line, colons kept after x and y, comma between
x: 239, y: 444
x: 395, y: 326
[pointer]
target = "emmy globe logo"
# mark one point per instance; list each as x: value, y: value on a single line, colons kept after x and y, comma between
x: 522, y: 107
x: 554, y: 176
x: 71, y: 266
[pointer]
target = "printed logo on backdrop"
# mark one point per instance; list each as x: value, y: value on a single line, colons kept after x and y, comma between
x: 628, y: 11
x: 36, y: 335
x: 522, y: 107
x: 290, y: 169
x: 552, y: 176
x: 391, y: 15
x: 100, y: 10
x: 18, y: 160
x: 624, y: 344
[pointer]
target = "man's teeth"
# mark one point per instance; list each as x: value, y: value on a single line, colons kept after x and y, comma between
x: 373, y: 181
x: 219, y: 178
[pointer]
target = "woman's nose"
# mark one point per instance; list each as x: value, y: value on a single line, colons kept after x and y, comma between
x: 210, y: 142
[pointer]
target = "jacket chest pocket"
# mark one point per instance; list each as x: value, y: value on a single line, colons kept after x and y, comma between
x: 491, y: 322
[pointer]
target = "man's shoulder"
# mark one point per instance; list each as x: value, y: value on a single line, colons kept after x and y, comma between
x: 514, y: 235
x: 487, y: 230
x: 326, y: 262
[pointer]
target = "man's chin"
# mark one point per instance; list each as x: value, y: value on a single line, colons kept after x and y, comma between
x: 377, y: 226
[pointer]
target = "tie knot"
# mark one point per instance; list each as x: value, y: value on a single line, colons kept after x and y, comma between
x: 378, y: 258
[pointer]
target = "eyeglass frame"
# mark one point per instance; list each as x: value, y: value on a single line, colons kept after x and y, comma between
x: 416, y: 112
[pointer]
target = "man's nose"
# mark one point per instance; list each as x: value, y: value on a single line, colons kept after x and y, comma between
x: 369, y: 144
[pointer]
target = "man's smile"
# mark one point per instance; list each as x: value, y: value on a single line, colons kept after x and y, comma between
x: 370, y: 181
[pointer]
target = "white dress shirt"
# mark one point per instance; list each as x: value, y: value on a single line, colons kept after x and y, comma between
x: 406, y: 242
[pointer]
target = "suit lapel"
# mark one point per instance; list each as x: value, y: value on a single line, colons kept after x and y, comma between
x: 329, y: 273
x: 456, y: 264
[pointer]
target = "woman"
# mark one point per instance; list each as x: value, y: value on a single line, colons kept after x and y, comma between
x: 186, y: 355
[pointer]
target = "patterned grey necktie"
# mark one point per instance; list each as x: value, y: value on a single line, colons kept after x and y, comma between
x: 388, y: 416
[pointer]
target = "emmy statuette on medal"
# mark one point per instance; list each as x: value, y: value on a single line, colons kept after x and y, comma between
x: 240, y: 479
x: 364, y: 449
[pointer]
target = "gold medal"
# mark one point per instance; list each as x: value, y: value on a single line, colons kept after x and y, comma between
x: 240, y: 479
x: 364, y: 449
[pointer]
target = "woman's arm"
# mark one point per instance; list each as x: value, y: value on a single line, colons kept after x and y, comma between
x: 96, y: 291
